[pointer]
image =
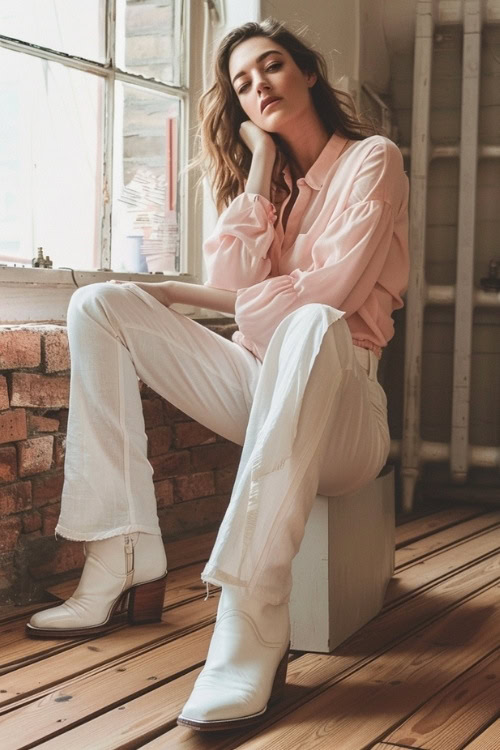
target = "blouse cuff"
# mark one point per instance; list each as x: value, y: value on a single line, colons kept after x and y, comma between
x: 247, y: 207
x: 266, y: 205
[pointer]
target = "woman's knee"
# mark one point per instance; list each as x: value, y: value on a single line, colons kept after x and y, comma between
x: 336, y: 347
x: 89, y: 299
x: 313, y: 314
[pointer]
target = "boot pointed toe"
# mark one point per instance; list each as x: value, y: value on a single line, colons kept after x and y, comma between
x: 208, y: 706
x: 62, y: 617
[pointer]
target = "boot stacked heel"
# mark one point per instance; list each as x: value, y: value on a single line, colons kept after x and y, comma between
x: 280, y: 678
x: 145, y: 602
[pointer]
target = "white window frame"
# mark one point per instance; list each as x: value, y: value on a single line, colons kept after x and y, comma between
x: 29, y: 295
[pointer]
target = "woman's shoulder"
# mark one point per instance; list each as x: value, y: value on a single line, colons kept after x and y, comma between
x: 377, y: 170
x: 378, y: 156
x: 380, y: 144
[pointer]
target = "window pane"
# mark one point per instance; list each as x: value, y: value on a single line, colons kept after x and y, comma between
x: 145, y: 218
x: 50, y: 162
x: 70, y: 26
x: 148, y: 38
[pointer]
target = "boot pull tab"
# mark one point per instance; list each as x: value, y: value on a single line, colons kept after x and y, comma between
x: 129, y: 554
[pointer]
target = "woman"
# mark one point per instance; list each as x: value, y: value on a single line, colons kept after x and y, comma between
x: 310, y: 253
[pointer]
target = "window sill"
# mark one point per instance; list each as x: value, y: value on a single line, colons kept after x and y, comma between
x: 41, y: 295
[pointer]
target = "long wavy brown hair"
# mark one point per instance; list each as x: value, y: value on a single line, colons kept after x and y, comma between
x: 222, y: 155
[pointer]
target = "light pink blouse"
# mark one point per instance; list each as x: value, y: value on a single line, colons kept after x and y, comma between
x: 345, y: 245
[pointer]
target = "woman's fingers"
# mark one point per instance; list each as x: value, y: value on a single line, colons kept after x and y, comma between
x: 254, y: 137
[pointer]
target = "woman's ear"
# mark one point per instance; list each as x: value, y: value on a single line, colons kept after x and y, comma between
x: 311, y: 79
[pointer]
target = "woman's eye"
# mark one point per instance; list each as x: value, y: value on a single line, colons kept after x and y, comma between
x: 270, y: 68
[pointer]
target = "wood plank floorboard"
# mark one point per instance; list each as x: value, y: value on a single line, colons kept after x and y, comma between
x: 423, y: 674
x: 455, y: 714
x: 489, y: 739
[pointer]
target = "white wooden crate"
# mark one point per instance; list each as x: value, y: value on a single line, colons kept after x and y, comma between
x: 344, y: 564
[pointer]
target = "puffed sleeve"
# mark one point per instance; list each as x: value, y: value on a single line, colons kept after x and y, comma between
x: 347, y: 261
x: 236, y: 253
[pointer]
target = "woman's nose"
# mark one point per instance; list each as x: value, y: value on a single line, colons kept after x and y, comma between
x: 262, y: 85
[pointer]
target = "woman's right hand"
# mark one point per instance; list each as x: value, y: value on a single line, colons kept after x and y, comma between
x: 158, y: 290
x: 255, y: 138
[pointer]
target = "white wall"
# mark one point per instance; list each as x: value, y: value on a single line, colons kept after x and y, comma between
x: 238, y: 12
x: 374, y: 64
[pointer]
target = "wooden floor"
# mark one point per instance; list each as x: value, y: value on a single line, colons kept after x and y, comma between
x: 423, y: 674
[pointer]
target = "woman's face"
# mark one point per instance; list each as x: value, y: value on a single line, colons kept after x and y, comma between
x: 271, y: 89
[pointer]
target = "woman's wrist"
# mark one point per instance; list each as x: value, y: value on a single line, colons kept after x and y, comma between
x: 266, y: 149
x: 198, y: 295
x: 169, y: 292
x: 261, y: 168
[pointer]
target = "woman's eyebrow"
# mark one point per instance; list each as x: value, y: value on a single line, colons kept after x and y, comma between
x: 258, y: 60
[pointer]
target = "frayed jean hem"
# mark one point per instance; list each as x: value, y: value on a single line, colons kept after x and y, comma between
x: 81, y: 536
x: 265, y: 594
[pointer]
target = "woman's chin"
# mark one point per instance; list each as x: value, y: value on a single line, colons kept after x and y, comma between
x: 271, y: 129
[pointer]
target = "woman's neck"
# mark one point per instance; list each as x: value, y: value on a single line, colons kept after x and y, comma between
x: 304, y: 145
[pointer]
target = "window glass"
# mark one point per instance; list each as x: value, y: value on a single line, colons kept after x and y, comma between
x: 50, y: 162
x: 71, y: 26
x: 148, y: 38
x: 52, y: 137
x: 145, y: 207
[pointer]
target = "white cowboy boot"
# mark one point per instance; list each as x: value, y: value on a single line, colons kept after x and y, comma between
x: 245, y: 667
x: 129, y: 570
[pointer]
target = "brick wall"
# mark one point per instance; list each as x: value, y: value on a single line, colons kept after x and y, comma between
x: 194, y: 469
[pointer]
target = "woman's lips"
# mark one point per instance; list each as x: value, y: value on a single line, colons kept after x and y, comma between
x: 275, y: 101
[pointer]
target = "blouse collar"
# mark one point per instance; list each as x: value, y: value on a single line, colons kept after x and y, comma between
x: 316, y: 175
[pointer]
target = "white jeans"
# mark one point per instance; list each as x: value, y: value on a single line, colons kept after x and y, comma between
x: 311, y: 418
